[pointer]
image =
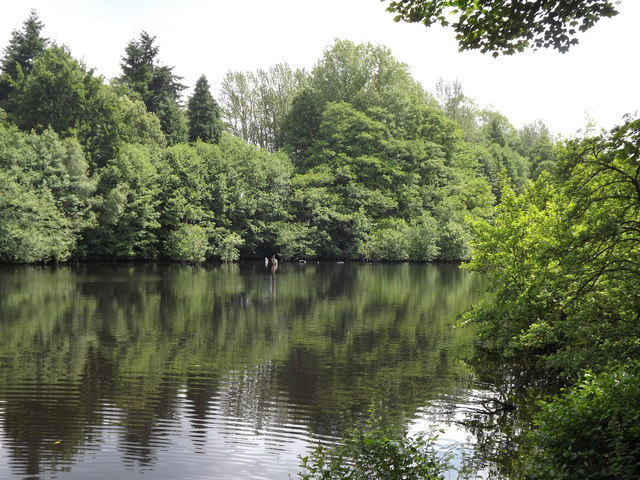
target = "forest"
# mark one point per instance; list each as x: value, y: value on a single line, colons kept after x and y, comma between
x: 353, y: 160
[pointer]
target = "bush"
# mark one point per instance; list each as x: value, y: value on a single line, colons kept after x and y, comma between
x: 189, y: 243
x: 592, y: 432
x: 373, y: 454
x: 227, y: 246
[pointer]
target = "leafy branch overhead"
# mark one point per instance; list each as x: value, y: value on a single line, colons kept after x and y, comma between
x: 503, y: 27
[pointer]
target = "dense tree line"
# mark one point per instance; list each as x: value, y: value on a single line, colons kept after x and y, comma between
x: 352, y: 160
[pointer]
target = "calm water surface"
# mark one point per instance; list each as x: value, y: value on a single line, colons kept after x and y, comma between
x: 220, y: 372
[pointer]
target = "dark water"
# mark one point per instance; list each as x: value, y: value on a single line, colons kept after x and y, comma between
x: 226, y: 372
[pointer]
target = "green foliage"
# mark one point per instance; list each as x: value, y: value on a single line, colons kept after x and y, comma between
x: 502, y: 151
x: 17, y: 60
x: 53, y: 94
x: 61, y: 94
x: 173, y: 122
x: 592, y: 431
x: 188, y: 243
x: 231, y: 188
x: 155, y: 85
x: 295, y: 241
x: 137, y: 65
x: 301, y: 125
x: 185, y: 174
x: 370, y: 147
x: 32, y: 229
x: 536, y: 143
x: 227, y: 246
x: 251, y: 192
x: 370, y: 166
x: 24, y: 46
x: 203, y: 114
x: 458, y: 107
x: 365, y: 76
x: 390, y: 242
x: 499, y: 27
x: 46, y: 195
x: 61, y: 168
x: 372, y: 452
x: 394, y: 239
x: 127, y: 208
x: 453, y: 241
x: 562, y: 257
x: 135, y: 124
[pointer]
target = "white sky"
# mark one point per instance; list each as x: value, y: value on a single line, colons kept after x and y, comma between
x: 597, y: 80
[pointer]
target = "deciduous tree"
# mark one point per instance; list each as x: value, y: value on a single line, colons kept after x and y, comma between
x: 254, y: 104
x: 563, y: 256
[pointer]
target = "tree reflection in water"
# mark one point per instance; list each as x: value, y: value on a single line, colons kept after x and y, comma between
x: 132, y: 368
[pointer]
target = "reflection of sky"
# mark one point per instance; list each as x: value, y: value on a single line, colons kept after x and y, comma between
x: 453, y: 437
x: 227, y: 446
x: 222, y: 446
x: 4, y: 468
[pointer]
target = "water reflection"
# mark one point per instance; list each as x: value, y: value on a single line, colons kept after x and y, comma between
x: 229, y: 371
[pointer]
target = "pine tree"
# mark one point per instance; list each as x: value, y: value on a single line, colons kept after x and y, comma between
x: 138, y: 65
x: 24, y: 46
x: 155, y: 84
x: 203, y: 113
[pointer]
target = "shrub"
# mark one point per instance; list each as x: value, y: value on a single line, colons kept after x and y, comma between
x: 592, y: 432
x: 373, y: 454
x: 189, y: 243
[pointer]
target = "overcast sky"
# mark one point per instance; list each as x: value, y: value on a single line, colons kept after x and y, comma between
x: 597, y: 80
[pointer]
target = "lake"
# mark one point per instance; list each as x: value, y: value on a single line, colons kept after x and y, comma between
x: 223, y: 371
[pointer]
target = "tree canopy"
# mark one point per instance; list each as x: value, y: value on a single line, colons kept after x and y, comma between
x: 563, y: 256
x: 254, y: 104
x: 380, y: 166
x: 499, y: 27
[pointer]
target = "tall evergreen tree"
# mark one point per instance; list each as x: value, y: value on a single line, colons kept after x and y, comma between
x: 138, y: 64
x: 203, y: 113
x: 165, y: 91
x: 24, y: 46
x: 155, y: 84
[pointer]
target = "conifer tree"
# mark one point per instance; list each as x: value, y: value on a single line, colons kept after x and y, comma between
x: 203, y: 113
x: 24, y: 46
x: 138, y: 65
x: 156, y: 86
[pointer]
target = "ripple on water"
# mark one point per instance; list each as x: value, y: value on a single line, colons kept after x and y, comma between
x: 119, y: 371
x: 51, y: 432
